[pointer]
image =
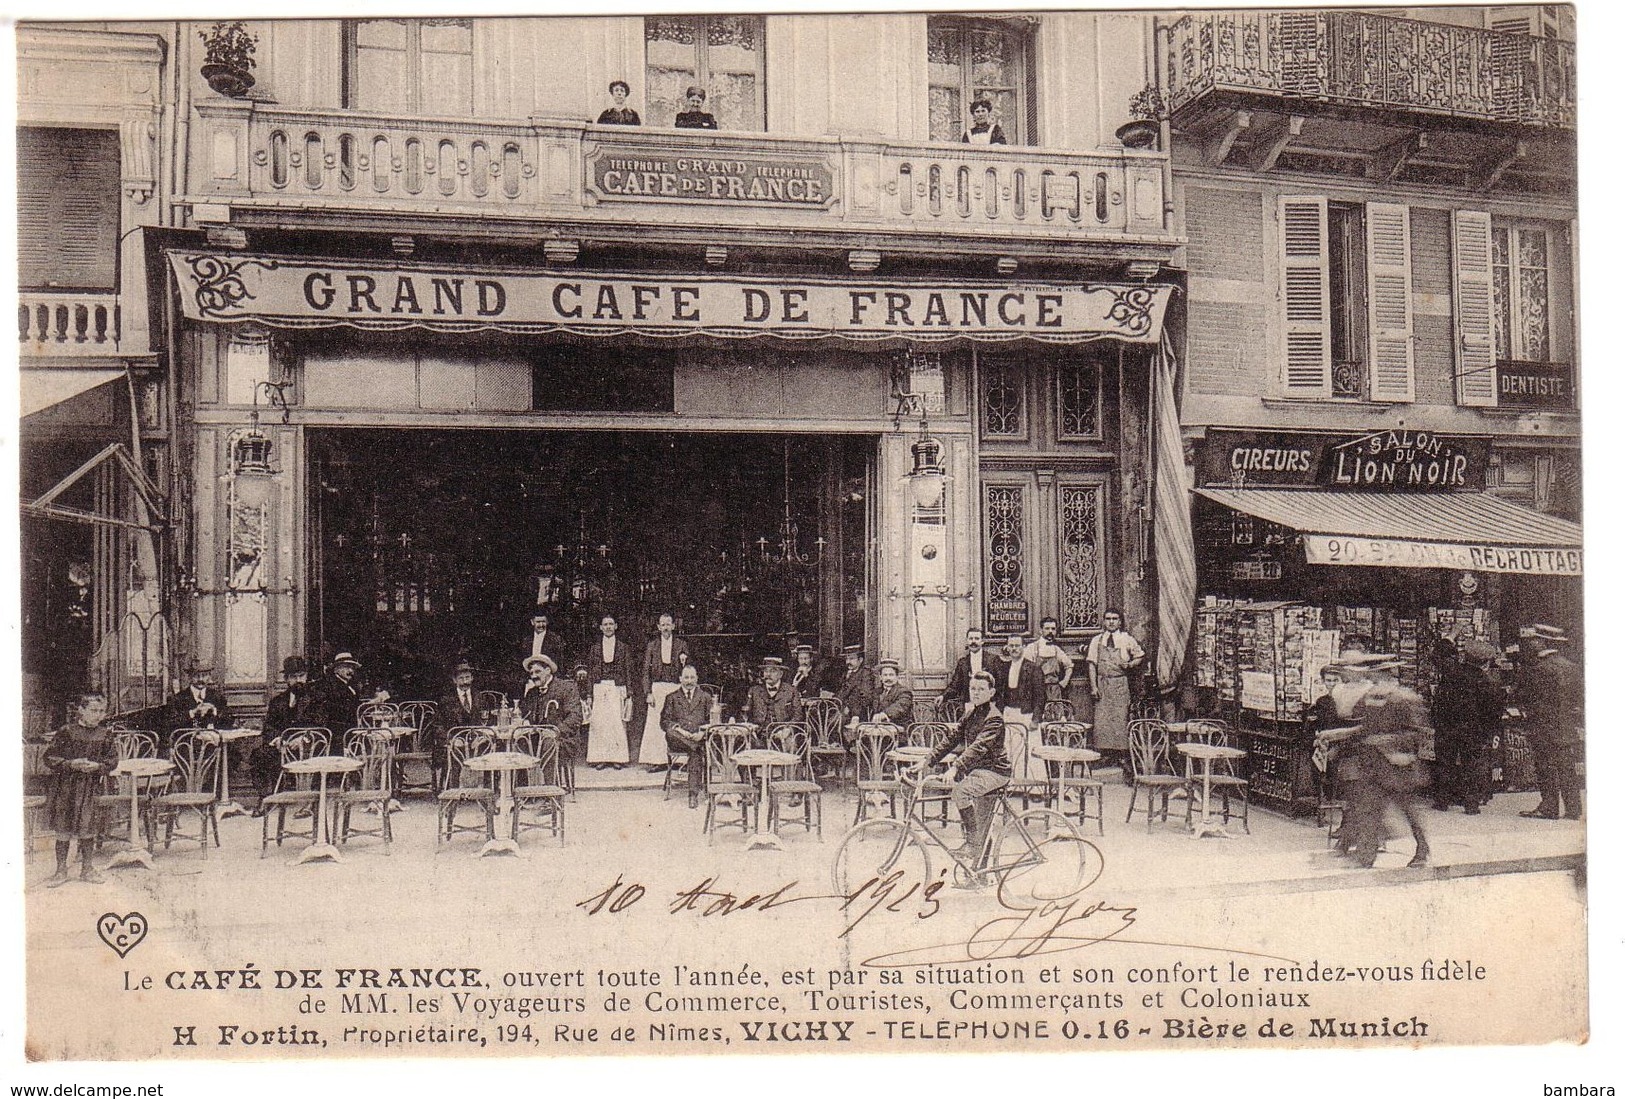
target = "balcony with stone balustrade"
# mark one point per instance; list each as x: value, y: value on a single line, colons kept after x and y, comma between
x: 256, y: 164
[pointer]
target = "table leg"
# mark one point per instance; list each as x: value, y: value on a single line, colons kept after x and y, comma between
x: 227, y: 807
x: 1206, y: 827
x: 504, y: 843
x: 323, y: 847
x: 136, y: 854
x: 764, y: 838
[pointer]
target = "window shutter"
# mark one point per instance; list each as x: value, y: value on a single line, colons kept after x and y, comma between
x: 68, y: 207
x: 1475, y: 310
x: 1524, y: 19
x: 1388, y: 286
x: 1306, y: 297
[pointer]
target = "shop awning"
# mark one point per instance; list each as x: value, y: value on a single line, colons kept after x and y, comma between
x: 1472, y: 531
x: 43, y: 388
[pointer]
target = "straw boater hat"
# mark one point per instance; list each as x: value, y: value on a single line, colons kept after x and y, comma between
x: 888, y: 663
x: 802, y: 649
x: 542, y: 659
x: 852, y: 650
x: 1381, y: 662
x: 772, y: 662
x: 346, y: 658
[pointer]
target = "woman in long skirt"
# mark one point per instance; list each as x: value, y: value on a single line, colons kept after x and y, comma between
x: 609, y: 670
x: 79, y: 756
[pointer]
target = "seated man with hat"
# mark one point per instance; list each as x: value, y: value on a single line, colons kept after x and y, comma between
x: 200, y: 705
x: 893, y: 702
x: 807, y: 676
x: 456, y: 708
x: 856, y: 692
x: 772, y: 700
x: 551, y: 700
x: 286, y: 710
x: 336, y: 698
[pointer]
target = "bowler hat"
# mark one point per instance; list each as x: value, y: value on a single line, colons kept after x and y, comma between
x: 294, y: 665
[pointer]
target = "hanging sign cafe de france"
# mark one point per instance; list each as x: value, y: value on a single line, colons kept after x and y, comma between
x: 299, y: 293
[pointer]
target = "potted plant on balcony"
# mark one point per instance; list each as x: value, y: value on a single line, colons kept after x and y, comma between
x: 1146, y: 111
x: 228, y: 58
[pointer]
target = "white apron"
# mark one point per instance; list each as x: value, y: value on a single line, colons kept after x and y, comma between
x: 606, y: 736
x: 653, y: 749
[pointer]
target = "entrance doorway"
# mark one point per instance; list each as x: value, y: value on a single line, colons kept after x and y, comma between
x: 431, y: 545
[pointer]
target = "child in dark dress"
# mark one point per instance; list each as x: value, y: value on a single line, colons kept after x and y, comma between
x: 620, y: 114
x: 696, y: 117
x: 79, y: 756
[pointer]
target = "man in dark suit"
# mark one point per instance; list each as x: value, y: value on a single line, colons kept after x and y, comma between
x: 892, y: 702
x: 543, y: 639
x: 1022, y: 683
x: 807, y: 677
x: 456, y: 708
x: 286, y: 710
x: 550, y: 700
x: 200, y: 705
x: 974, y: 660
x: 856, y: 693
x: 686, y: 712
x: 982, y: 768
x: 772, y: 700
x: 663, y: 658
x: 1549, y: 690
x: 335, y: 699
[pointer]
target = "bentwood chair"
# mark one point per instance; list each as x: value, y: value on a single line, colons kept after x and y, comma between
x: 195, y: 789
x: 1153, y: 772
x: 414, y: 759
x: 540, y: 790
x: 1057, y: 709
x: 876, y: 771
x: 1029, y: 777
x: 296, y: 792
x: 1224, y: 783
x: 726, y: 786
x: 797, y: 788
x: 1073, y: 785
x: 465, y: 786
x: 367, y: 789
x: 936, y: 790
x: 827, y: 745
x: 377, y: 715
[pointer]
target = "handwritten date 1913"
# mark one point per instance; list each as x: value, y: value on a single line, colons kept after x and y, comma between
x: 892, y: 893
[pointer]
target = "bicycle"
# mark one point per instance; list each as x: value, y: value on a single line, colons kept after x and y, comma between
x: 1033, y: 856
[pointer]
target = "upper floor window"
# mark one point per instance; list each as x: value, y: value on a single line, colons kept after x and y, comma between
x: 68, y: 208
x: 1346, y: 299
x: 1520, y: 262
x: 722, y: 54
x: 410, y: 66
x: 973, y: 59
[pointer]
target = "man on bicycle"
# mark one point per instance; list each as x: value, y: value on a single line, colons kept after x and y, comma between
x: 982, y: 769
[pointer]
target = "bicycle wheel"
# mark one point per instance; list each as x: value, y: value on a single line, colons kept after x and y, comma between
x: 1039, y: 856
x: 876, y: 850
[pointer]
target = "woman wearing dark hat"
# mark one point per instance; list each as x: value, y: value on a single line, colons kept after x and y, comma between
x: 620, y: 114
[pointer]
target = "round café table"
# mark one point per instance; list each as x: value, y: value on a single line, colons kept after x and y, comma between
x: 1206, y: 754
x: 1067, y: 765
x: 137, y: 769
x: 504, y: 764
x: 764, y: 759
x: 226, y: 738
x: 321, y: 846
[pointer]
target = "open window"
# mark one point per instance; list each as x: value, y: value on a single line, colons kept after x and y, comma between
x: 971, y: 59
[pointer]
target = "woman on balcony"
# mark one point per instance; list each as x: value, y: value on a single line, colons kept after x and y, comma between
x: 620, y: 114
x: 983, y: 130
x: 696, y: 117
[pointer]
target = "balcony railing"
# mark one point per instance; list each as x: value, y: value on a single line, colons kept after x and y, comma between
x: 85, y: 323
x: 1376, y: 61
x: 249, y: 155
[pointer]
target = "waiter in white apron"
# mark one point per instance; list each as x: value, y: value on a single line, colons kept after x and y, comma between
x: 609, y: 670
x: 663, y: 660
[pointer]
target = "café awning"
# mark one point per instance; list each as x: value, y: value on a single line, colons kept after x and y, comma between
x: 42, y: 389
x: 288, y: 292
x: 1472, y: 531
